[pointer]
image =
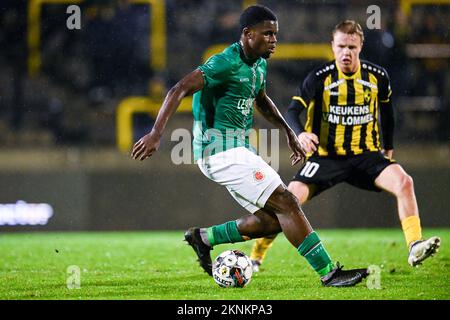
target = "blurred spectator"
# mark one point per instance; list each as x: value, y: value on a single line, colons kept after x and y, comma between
x: 432, y: 32
x: 13, y: 52
x: 433, y: 79
x: 117, y: 46
x: 226, y: 27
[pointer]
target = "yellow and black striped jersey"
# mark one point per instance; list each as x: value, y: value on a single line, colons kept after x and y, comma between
x: 343, y: 109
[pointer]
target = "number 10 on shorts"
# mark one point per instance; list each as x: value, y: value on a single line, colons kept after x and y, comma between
x: 309, y: 169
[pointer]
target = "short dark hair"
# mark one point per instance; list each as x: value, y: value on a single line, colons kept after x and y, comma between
x: 256, y: 14
x: 349, y: 27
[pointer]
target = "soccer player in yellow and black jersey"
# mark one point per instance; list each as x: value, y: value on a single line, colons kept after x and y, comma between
x: 344, y: 100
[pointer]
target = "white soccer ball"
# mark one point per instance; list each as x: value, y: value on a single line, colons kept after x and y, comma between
x: 232, y: 268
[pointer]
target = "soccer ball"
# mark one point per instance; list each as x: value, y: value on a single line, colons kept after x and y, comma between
x: 232, y: 268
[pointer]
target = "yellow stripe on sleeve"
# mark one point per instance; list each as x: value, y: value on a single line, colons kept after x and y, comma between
x: 297, y: 98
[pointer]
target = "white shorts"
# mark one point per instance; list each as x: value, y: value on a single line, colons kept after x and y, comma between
x: 249, y: 179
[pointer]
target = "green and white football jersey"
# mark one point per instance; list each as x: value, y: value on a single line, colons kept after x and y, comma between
x: 223, y: 109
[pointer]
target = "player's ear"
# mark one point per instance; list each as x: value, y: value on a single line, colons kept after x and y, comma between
x: 247, y: 32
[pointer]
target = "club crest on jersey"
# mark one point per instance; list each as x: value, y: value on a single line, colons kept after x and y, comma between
x: 367, y: 95
x: 258, y: 175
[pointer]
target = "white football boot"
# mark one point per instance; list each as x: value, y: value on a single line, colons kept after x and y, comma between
x: 422, y: 249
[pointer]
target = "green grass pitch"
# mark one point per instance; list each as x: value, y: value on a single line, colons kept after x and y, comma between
x: 160, y: 266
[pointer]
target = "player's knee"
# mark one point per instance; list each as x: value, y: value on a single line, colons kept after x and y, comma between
x: 405, y: 185
x: 299, y: 190
x: 248, y: 225
x: 408, y: 183
x: 287, y: 202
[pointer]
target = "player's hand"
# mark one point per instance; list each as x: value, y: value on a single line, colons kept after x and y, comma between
x: 388, y: 153
x: 146, y: 146
x: 309, y: 142
x: 298, y: 154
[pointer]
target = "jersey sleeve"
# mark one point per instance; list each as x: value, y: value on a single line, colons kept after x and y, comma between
x: 216, y: 70
x: 384, y: 90
x: 386, y: 110
x: 305, y: 93
x: 300, y: 101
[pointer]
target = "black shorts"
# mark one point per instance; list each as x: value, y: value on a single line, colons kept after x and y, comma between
x: 359, y: 170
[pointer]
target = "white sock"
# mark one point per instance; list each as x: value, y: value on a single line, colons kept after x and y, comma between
x: 204, y: 236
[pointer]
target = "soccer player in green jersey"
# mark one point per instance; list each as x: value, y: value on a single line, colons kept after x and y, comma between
x: 225, y: 89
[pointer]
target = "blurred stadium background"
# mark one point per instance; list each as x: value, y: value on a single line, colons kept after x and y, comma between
x: 73, y: 101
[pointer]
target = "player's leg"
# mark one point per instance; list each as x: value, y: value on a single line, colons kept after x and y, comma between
x: 317, y: 175
x: 322, y: 173
x: 397, y: 182
x: 292, y: 220
x: 301, y: 190
x: 288, y: 217
x: 255, y: 185
x: 260, y: 224
x: 300, y: 234
x: 235, y: 170
x: 264, y: 223
x: 251, y: 226
x: 262, y: 245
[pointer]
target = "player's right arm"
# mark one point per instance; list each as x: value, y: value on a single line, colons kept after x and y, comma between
x: 149, y: 143
x: 300, y: 101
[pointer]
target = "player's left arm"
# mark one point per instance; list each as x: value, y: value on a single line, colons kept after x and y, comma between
x: 386, y: 115
x: 270, y: 112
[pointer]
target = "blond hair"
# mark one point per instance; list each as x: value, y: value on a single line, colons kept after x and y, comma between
x: 349, y: 27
